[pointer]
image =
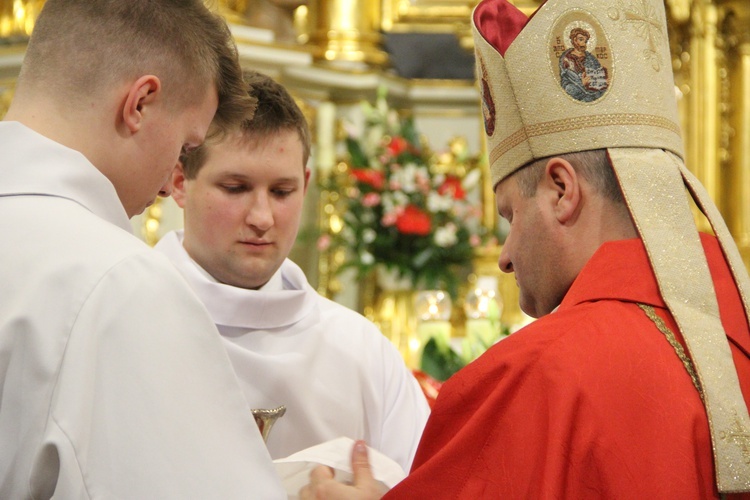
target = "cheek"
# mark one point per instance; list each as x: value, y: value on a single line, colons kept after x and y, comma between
x: 511, y: 240
x: 216, y: 211
x: 288, y: 217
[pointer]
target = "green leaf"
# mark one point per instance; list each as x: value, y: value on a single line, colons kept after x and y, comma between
x: 439, y: 363
x: 357, y: 155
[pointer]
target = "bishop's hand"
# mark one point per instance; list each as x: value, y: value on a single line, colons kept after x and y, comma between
x: 322, y: 485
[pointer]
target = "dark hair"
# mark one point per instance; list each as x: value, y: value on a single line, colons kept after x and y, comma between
x: 276, y: 111
x: 579, y: 31
x: 592, y: 165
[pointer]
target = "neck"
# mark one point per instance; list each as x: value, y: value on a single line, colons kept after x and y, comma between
x: 82, y: 126
x: 601, y: 222
x: 52, y: 119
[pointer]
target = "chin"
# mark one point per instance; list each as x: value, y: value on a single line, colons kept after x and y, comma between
x: 255, y: 282
x: 528, y: 307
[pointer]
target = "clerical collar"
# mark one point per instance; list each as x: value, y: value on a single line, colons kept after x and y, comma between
x: 274, y: 284
x: 286, y: 301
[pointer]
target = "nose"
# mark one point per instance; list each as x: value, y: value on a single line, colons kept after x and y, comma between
x: 260, y: 214
x: 504, y: 262
x: 166, y: 189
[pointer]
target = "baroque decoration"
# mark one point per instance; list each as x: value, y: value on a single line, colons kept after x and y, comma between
x: 405, y: 215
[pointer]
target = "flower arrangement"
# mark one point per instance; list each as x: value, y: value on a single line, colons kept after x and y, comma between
x: 403, y: 210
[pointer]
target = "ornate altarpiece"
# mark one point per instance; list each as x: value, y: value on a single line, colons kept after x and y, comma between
x: 331, y: 54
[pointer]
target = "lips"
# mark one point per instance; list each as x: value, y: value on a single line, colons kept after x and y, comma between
x: 255, y: 243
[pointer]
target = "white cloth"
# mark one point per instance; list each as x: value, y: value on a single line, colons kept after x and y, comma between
x: 112, y: 381
x: 334, y: 371
x: 295, y: 469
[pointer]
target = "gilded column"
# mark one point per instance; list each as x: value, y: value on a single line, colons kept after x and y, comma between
x: 346, y: 31
x: 702, y: 139
x: 329, y: 212
x: 737, y: 31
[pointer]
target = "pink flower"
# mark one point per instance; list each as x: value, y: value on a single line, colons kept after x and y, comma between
x: 423, y: 183
x: 324, y: 242
x: 371, y: 200
x: 475, y: 240
x: 389, y: 219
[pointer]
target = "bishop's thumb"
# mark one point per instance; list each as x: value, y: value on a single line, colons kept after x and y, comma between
x: 361, y: 464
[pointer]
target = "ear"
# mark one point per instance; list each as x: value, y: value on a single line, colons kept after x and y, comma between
x: 307, y: 180
x: 178, y: 185
x: 563, y: 181
x: 142, y: 93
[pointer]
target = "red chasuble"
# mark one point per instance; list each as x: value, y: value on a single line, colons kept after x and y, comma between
x: 590, y: 401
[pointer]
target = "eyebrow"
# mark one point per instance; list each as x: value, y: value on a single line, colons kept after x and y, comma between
x: 223, y: 176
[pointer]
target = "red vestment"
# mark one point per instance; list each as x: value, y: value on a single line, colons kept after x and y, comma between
x: 590, y: 401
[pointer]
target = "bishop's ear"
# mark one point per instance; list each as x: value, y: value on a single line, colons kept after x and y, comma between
x: 564, y: 182
x: 178, y: 185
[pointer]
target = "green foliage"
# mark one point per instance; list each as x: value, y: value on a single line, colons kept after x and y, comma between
x: 441, y: 361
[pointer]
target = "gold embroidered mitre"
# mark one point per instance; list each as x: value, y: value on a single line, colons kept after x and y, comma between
x: 615, y: 89
x: 596, y: 74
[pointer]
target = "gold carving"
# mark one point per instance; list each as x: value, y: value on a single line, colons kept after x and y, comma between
x: 278, y: 16
x: 346, y: 31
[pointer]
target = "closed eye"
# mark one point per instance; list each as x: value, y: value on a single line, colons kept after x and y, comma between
x: 234, y: 188
x: 282, y: 193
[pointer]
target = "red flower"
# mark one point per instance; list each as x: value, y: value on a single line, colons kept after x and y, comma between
x: 453, y: 186
x: 397, y: 145
x: 413, y: 221
x: 373, y: 178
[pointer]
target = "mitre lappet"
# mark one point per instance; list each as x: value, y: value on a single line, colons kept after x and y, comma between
x: 590, y: 74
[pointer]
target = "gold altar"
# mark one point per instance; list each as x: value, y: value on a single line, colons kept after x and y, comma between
x: 332, y: 54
